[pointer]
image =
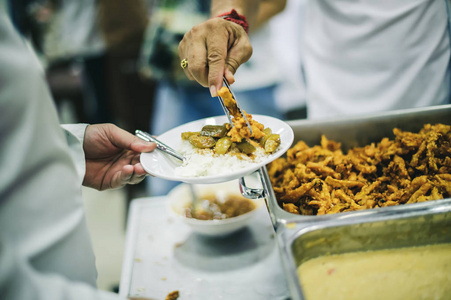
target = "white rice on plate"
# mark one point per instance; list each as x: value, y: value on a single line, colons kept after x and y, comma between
x: 203, y: 162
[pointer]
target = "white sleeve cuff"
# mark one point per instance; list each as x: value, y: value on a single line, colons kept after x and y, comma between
x: 75, y: 134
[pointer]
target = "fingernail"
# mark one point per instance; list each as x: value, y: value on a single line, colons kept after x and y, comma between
x: 150, y: 144
x: 229, y: 76
x: 213, y: 91
x: 146, y: 143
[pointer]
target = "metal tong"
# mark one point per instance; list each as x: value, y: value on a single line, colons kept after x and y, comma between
x: 226, y: 83
x: 160, y: 145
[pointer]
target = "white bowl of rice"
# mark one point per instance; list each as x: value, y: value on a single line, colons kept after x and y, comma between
x: 220, y: 210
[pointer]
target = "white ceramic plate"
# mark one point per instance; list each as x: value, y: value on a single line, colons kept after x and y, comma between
x: 162, y: 165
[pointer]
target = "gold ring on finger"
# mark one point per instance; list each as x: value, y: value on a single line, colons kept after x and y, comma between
x: 184, y: 63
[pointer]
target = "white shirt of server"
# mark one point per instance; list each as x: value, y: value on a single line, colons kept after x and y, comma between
x: 365, y: 56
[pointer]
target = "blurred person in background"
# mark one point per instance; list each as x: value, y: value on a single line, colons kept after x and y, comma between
x: 286, y: 39
x: 358, y: 57
x: 90, y: 50
x: 179, y: 100
x: 45, y: 247
x: 99, y: 41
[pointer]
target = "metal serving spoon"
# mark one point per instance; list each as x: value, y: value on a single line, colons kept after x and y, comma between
x: 194, y: 200
x: 160, y: 145
x: 226, y: 110
x: 166, y: 149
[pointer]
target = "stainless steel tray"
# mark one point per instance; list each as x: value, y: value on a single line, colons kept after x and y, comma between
x: 351, y: 132
x: 415, y: 226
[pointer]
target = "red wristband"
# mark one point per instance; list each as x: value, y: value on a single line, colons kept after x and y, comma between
x: 235, y: 17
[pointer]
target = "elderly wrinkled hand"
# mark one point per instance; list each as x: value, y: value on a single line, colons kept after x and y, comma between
x: 213, y: 49
x: 112, y: 157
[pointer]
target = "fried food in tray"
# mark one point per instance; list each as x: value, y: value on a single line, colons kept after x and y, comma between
x: 238, y: 140
x: 411, y: 168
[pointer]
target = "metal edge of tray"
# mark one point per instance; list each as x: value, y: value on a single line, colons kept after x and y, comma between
x: 410, y: 119
x: 349, y: 129
x: 285, y: 246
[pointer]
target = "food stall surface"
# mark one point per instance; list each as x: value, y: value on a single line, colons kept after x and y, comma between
x: 162, y: 255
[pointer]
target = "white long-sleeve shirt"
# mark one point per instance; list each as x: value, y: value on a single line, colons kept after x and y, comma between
x: 45, y: 247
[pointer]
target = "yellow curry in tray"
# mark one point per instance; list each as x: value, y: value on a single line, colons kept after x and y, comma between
x: 404, y: 273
